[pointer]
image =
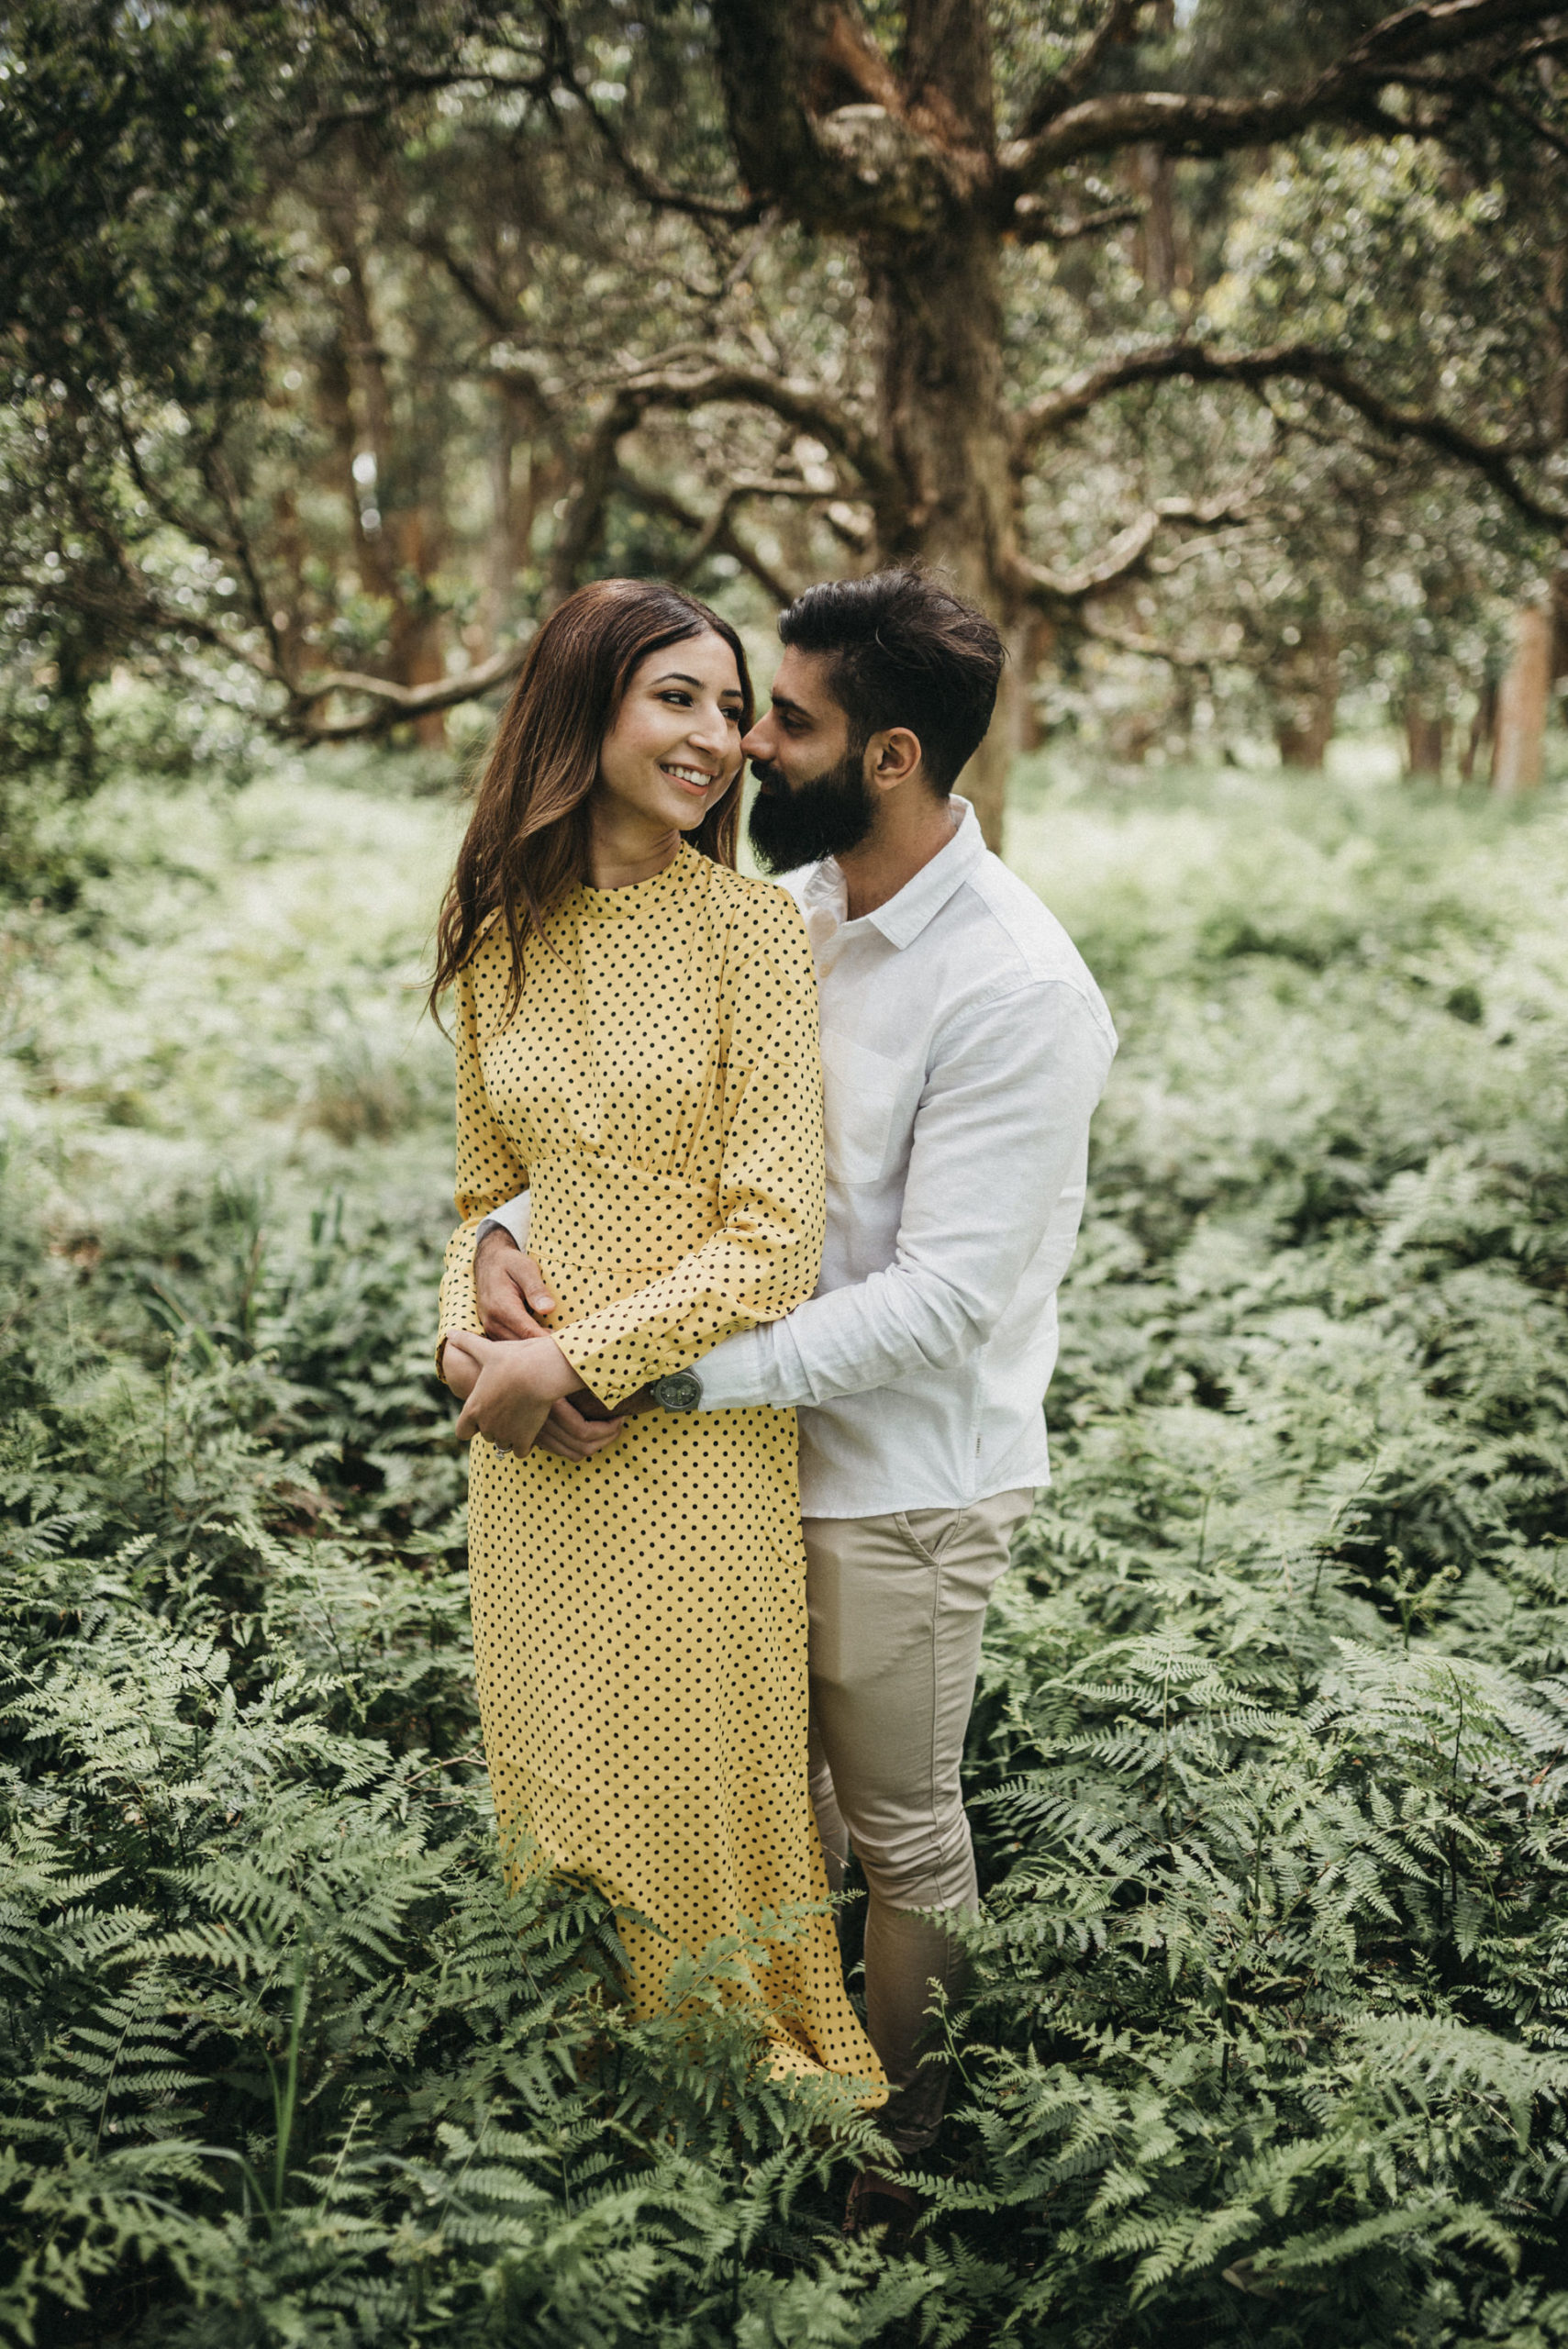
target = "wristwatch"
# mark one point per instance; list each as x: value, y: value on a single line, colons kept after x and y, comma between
x: 678, y: 1390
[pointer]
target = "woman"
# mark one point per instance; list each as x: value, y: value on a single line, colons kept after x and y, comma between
x: 638, y: 1048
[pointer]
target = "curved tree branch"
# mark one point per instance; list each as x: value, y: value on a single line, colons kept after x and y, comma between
x: 1055, y: 96
x: 1148, y: 648
x: 1034, y: 224
x: 805, y: 406
x: 1302, y: 362
x: 1060, y: 592
x: 393, y: 705
x: 715, y: 535
x: 1195, y: 123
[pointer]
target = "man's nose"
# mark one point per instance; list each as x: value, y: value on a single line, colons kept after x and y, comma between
x: 759, y: 743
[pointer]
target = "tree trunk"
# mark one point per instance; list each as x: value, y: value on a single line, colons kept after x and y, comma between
x: 402, y: 552
x: 1153, y: 175
x: 1518, y: 758
x: 939, y: 382
x: 1426, y: 741
x: 415, y: 635
x: 1560, y: 616
x: 1475, y: 757
x: 512, y: 482
x: 1306, y: 693
x: 1034, y: 640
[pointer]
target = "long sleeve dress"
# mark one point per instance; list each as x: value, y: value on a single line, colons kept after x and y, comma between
x: 639, y: 1620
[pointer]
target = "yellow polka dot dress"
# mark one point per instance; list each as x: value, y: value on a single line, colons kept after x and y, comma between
x: 639, y: 1620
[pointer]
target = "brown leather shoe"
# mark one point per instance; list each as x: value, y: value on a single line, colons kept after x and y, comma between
x: 880, y: 2203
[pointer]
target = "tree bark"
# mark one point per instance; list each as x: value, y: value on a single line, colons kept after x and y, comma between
x: 1306, y: 694
x: 938, y: 314
x: 1426, y: 741
x: 402, y: 552
x: 1518, y: 758
x: 1475, y: 757
x: 1153, y: 175
x: 1033, y: 642
x: 502, y: 556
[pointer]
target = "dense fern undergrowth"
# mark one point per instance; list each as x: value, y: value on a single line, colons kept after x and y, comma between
x: 1270, y: 2036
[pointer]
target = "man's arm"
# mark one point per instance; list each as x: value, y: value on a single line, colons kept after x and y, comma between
x: 1001, y: 1131
x: 514, y: 1299
x: 513, y: 1293
x: 511, y: 1216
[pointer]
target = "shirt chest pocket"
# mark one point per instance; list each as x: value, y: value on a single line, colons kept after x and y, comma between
x: 860, y: 1103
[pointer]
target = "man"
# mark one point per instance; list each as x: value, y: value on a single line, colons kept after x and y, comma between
x: 965, y: 1046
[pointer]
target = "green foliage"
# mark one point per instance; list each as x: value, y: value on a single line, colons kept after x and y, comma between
x: 132, y: 281
x: 1269, y: 2040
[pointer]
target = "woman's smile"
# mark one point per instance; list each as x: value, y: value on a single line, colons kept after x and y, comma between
x: 697, y: 779
x: 668, y: 759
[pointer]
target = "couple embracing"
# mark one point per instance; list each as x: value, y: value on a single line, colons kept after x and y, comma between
x: 766, y: 1193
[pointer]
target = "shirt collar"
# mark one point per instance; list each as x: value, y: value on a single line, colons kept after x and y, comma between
x: 904, y: 917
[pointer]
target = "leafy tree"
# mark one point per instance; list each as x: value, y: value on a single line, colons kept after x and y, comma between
x: 752, y: 295
x: 132, y: 282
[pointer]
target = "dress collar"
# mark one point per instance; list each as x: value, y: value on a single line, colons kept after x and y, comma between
x: 604, y: 905
x: 904, y: 917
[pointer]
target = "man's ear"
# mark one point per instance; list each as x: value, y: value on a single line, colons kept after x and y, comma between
x: 892, y: 758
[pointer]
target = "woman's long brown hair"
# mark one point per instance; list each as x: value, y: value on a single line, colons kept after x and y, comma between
x: 526, y: 843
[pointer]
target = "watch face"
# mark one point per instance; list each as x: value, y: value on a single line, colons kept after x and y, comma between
x: 681, y: 1391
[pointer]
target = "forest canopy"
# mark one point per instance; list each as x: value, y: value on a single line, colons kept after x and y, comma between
x: 1219, y: 352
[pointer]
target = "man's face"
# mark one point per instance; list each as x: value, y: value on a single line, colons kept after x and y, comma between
x: 813, y: 799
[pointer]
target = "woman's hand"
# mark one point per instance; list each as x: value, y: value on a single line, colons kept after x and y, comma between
x: 458, y: 1370
x: 510, y: 1386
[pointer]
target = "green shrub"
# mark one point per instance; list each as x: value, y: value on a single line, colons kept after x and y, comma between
x: 1268, y: 2036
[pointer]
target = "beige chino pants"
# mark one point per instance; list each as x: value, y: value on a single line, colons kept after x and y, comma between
x: 897, y: 1608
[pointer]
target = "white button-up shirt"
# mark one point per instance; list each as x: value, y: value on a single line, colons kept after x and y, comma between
x: 965, y: 1046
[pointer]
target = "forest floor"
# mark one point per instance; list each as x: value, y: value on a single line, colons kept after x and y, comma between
x: 1271, y: 2037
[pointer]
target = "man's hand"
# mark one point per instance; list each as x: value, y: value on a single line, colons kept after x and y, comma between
x: 514, y: 1296
x: 510, y: 1386
x: 570, y: 1436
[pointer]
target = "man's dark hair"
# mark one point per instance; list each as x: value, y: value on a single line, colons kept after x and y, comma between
x: 903, y: 651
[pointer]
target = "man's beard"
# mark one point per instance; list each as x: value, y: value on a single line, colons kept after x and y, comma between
x: 829, y: 815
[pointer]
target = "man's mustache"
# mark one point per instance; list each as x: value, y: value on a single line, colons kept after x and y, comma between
x: 768, y: 776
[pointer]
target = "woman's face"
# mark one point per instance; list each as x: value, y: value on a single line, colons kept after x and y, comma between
x: 674, y: 749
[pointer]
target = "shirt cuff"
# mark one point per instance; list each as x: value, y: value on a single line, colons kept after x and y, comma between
x: 512, y: 1217
x: 756, y: 1366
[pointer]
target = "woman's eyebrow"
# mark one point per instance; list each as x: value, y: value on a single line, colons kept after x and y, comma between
x: 679, y: 677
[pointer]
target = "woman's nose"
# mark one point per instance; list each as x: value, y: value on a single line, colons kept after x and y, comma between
x: 710, y: 728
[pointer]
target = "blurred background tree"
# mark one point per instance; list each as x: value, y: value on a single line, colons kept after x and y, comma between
x: 1220, y: 352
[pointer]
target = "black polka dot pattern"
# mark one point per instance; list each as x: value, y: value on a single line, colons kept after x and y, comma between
x: 639, y: 1621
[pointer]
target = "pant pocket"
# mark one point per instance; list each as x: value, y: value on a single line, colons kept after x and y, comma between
x: 927, y: 1531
